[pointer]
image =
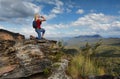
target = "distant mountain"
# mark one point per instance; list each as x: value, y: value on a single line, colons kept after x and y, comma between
x: 82, y: 39
x: 89, y: 36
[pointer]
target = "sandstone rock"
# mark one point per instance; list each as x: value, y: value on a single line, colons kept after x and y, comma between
x: 7, y: 35
x: 7, y: 69
x: 29, y: 57
x: 5, y: 45
x: 59, y: 70
x: 23, y: 59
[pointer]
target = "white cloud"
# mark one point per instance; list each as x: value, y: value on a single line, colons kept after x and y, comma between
x: 27, y: 32
x: 2, y: 27
x: 76, y: 30
x: 58, y: 8
x: 98, y: 23
x: 10, y: 9
x: 45, y: 1
x: 49, y: 16
x: 55, y: 27
x: 116, y: 24
x: 57, y: 3
x: 80, y: 11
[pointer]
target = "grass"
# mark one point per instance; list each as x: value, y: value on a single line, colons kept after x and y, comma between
x: 97, y: 59
x: 82, y: 66
x: 111, y: 65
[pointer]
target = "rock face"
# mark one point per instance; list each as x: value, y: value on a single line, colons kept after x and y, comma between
x: 22, y: 59
x: 7, y: 35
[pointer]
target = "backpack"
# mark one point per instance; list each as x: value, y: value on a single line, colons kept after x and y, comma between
x: 34, y: 24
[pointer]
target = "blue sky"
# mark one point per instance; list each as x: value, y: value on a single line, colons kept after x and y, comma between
x: 64, y: 17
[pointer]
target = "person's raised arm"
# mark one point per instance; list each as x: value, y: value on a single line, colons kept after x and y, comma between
x: 43, y: 18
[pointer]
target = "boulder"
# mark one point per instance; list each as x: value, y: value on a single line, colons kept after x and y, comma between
x: 59, y: 70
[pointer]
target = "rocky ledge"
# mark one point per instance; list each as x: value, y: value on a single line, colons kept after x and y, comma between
x: 21, y: 58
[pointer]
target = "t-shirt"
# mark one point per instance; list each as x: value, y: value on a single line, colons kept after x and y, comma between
x: 38, y: 22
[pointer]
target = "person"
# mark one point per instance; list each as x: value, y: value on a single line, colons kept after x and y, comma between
x: 39, y: 19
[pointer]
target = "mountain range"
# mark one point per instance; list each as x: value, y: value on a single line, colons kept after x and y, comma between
x: 89, y: 36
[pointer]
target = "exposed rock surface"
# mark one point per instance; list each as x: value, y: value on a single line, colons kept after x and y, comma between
x: 22, y: 59
x: 59, y: 70
x: 7, y: 35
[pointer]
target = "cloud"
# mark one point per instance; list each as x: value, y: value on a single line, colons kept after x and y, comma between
x: 57, y: 3
x: 68, y: 10
x: 79, y: 32
x: 55, y: 10
x: 98, y: 23
x: 58, y: 9
x: 2, y: 27
x: 27, y: 32
x: 10, y: 9
x: 50, y: 16
x: 16, y: 11
x: 80, y: 11
x: 45, y: 1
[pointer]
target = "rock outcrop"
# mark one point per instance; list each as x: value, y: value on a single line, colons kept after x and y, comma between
x: 7, y: 35
x: 22, y: 59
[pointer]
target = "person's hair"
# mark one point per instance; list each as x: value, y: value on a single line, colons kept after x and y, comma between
x: 36, y: 16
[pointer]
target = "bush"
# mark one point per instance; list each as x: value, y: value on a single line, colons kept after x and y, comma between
x: 82, y: 64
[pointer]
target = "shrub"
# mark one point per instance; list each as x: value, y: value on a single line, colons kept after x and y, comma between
x: 46, y: 71
x: 82, y: 64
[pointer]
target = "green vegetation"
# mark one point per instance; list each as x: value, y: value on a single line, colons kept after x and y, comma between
x: 46, y: 71
x: 61, y: 46
x: 97, y: 59
x: 93, y: 59
x: 82, y: 64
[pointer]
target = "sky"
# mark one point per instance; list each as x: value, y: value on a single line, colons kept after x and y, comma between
x: 64, y: 18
